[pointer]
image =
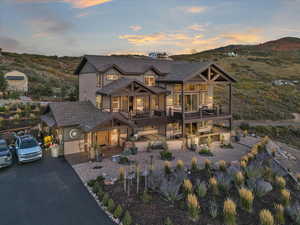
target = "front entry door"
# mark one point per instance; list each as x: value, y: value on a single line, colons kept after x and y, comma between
x: 103, y: 138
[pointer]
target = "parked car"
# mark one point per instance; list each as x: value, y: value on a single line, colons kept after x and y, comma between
x: 27, y: 149
x: 5, y: 154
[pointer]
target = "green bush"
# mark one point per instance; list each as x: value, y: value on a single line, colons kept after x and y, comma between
x: 146, y: 197
x: 168, y: 221
x: 118, y: 211
x: 105, y: 199
x: 111, y: 205
x: 127, y: 220
x: 206, y: 151
x: 166, y: 155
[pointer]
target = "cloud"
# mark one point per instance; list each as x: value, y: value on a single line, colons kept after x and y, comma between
x: 250, y: 36
x: 83, y: 14
x: 196, y: 27
x: 10, y: 44
x: 74, y: 3
x: 135, y: 27
x: 194, y: 9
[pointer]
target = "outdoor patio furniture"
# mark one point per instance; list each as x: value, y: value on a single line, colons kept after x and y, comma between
x: 116, y: 158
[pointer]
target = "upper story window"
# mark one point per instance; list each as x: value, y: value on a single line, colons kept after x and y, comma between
x: 99, y: 82
x: 149, y: 80
x: 112, y: 77
x: 99, y: 101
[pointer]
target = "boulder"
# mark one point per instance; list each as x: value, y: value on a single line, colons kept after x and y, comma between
x: 263, y: 187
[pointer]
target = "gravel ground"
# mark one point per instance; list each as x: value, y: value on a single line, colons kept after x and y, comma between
x: 91, y: 170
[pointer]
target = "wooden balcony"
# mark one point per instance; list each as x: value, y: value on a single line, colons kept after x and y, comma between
x: 202, y: 114
x: 151, y: 118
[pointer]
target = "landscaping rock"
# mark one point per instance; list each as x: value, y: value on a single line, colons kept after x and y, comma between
x: 263, y: 187
x: 294, y: 212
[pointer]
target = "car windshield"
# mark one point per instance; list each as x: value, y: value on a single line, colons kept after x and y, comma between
x: 28, y: 143
x: 3, y: 147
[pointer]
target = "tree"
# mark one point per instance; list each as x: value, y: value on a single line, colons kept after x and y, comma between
x: 3, y: 83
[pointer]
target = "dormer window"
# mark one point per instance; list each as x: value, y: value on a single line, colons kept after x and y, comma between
x: 149, y: 80
x: 112, y: 77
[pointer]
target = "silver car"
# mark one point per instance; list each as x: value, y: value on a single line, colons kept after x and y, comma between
x: 5, y: 154
x: 27, y: 149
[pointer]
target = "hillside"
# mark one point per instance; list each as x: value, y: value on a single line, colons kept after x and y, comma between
x: 48, y: 75
x: 255, y: 68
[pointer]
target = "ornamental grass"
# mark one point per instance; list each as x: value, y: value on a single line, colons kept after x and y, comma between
x: 193, y: 206
x: 280, y: 182
x: 118, y: 212
x: 180, y: 165
x: 167, y: 167
x: 279, y: 214
x: 246, y: 197
x: 213, y: 184
x: 245, y: 158
x: 122, y: 173
x: 266, y: 217
x: 229, y: 211
x: 222, y: 165
x: 239, y: 178
x: 243, y: 164
x: 285, y: 197
x: 194, y: 166
x: 187, y: 186
x: 207, y: 164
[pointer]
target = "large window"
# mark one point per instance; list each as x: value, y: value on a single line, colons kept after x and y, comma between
x: 112, y: 77
x: 115, y: 104
x: 99, y: 101
x: 149, y: 80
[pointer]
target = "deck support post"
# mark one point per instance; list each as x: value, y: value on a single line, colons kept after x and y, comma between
x: 182, y: 109
x: 230, y: 106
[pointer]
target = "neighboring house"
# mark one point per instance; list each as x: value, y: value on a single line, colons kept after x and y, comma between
x: 121, y: 96
x: 284, y: 82
x: 17, y: 81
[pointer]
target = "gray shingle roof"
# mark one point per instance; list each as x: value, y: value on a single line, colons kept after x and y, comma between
x: 169, y: 70
x: 82, y: 114
x: 122, y: 83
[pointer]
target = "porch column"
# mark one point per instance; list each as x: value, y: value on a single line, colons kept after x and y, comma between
x: 182, y: 109
x: 110, y: 103
x: 230, y: 106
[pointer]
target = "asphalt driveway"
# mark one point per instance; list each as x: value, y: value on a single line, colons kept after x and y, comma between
x: 47, y: 192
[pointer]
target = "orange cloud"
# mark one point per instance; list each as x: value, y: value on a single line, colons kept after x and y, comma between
x: 74, y: 3
x: 250, y: 36
x: 194, y: 9
x: 144, y: 39
x: 135, y: 27
x: 196, y: 27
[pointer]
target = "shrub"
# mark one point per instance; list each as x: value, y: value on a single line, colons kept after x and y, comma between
x: 247, y: 198
x: 213, y: 183
x: 168, y: 167
x: 91, y: 183
x: 268, y: 174
x: 118, y: 211
x: 193, y: 206
x: 100, y: 194
x: 229, y: 211
x: 96, y: 187
x: 146, y: 197
x: 207, y: 164
x: 279, y: 214
x: 266, y: 217
x: 245, y: 126
x: 222, y: 165
x: 187, y: 186
x: 121, y: 173
x: 180, y: 165
x: 168, y: 221
x: 127, y: 220
x: 239, y: 178
x: 105, y: 199
x: 285, y: 196
x: 194, y: 166
x: 166, y: 155
x: 280, y: 182
x: 206, y: 151
x: 213, y: 209
x: 111, y: 205
x: 201, y: 190
x: 298, y: 177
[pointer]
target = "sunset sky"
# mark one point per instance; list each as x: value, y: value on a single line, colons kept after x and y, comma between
x: 77, y: 27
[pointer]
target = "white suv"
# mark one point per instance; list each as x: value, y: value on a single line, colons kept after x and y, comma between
x: 28, y: 149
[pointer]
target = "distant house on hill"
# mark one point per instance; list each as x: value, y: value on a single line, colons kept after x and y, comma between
x: 232, y: 54
x: 17, y: 81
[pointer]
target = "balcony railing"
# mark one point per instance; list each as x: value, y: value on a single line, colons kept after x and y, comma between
x: 144, y: 115
x: 203, y: 113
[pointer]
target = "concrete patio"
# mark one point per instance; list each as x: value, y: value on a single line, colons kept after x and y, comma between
x: 109, y: 169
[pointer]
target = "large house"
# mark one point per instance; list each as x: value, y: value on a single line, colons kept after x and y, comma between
x: 124, y: 96
x: 17, y: 81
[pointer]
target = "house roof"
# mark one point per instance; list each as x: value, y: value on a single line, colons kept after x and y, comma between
x: 122, y: 83
x: 83, y: 114
x: 170, y: 71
